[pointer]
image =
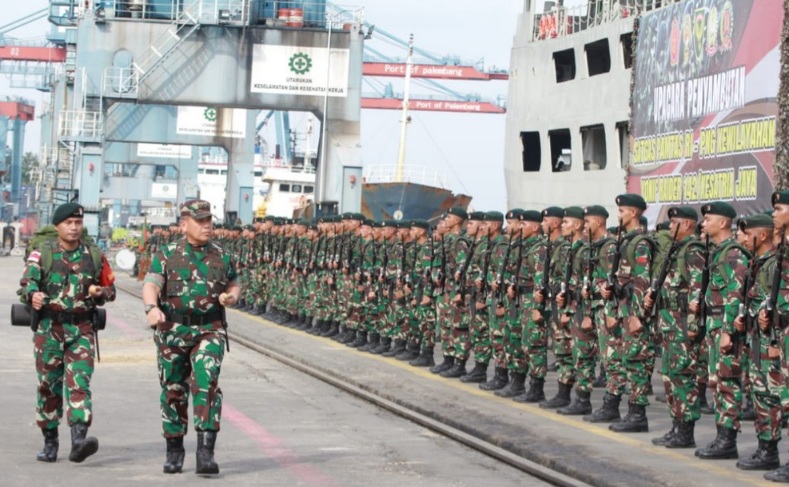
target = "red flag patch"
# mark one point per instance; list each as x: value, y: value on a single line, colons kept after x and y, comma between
x: 34, y: 257
x: 107, y: 278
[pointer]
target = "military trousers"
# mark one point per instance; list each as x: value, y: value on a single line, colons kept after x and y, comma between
x: 725, y: 375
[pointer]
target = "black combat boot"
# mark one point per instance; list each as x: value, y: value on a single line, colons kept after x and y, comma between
x: 386, y: 344
x: 359, y: 340
x: 458, y: 370
x: 399, y: 347
x: 582, y: 405
x: 341, y: 334
x: 684, y: 437
x: 478, y: 374
x: 349, y: 337
x: 447, y: 364
x: 425, y: 359
x: 82, y: 447
x: 764, y: 458
x: 561, y: 399
x: 206, y: 441
x: 411, y: 351
x: 373, y: 339
x: 536, y: 392
x: 662, y: 440
x: 608, y: 412
x: 516, y: 386
x: 635, y: 421
x: 704, y: 406
x: 241, y: 304
x: 779, y: 475
x: 333, y: 330
x: 748, y: 413
x: 498, y: 381
x: 174, y: 461
x: 600, y: 380
x: 724, y: 448
x: 254, y: 310
x: 50, y: 452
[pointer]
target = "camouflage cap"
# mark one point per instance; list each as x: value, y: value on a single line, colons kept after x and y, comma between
x: 686, y: 212
x: 553, y: 211
x: 633, y: 200
x: 197, y: 209
x: 719, y: 208
x: 66, y: 211
x: 756, y: 221
x: 574, y: 212
x: 596, y: 210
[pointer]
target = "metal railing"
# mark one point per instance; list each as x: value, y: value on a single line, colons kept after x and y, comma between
x: 231, y: 12
x: 120, y: 82
x: 79, y: 124
x: 564, y: 21
x: 424, y: 175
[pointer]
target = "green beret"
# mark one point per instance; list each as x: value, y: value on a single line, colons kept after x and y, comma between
x: 389, y: 224
x: 781, y: 198
x: 494, y: 216
x: 596, y: 210
x: 476, y: 216
x: 302, y: 221
x: 457, y: 211
x: 662, y: 226
x: 768, y: 212
x: 421, y: 224
x: 553, y: 211
x: 249, y: 227
x: 357, y: 216
x: 514, y: 214
x: 238, y: 228
x: 66, y: 211
x: 686, y: 212
x: 366, y: 222
x: 612, y: 229
x: 574, y: 212
x: 643, y: 221
x: 630, y: 199
x: 530, y: 216
x: 312, y: 226
x: 719, y: 208
x: 756, y: 221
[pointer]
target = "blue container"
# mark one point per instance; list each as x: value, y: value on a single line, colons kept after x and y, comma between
x: 315, y: 13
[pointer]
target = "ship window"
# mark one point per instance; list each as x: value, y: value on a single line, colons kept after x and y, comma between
x: 531, y: 151
x: 201, y: 171
x: 224, y: 172
x: 627, y: 49
x: 212, y: 171
x: 258, y: 174
x: 309, y: 189
x: 593, y: 140
x: 561, y: 150
x: 624, y: 140
x: 284, y: 188
x: 564, y: 62
x: 296, y: 188
x: 598, y: 57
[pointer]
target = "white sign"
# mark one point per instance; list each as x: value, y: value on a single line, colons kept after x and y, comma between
x: 293, y: 70
x: 164, y: 151
x: 212, y: 122
x: 164, y: 190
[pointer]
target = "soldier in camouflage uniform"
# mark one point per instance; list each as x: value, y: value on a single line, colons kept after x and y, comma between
x: 562, y: 335
x: 185, y: 292
x: 678, y: 328
x: 65, y: 296
x: 727, y: 267
x: 422, y: 302
x: 765, y: 370
x: 626, y: 300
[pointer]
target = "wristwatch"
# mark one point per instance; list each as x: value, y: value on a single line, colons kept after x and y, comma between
x: 149, y: 307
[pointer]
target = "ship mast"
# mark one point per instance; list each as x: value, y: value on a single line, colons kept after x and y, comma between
x: 404, y: 122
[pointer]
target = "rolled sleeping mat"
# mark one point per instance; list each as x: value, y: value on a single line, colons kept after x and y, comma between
x: 21, y: 314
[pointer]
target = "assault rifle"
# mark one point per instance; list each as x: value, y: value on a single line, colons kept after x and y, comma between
x: 442, y: 274
x: 775, y: 284
x: 516, y: 302
x: 612, y: 278
x: 500, y: 291
x: 484, y: 288
x: 705, y: 283
x: 545, y: 285
x: 657, y: 283
x: 744, y: 311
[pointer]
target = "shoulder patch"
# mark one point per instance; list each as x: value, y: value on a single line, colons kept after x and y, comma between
x: 34, y: 257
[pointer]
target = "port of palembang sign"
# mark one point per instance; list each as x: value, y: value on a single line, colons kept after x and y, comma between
x: 704, y: 104
x: 212, y: 122
x: 293, y: 70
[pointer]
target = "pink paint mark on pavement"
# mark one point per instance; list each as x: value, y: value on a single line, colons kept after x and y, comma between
x: 129, y: 331
x: 274, y: 448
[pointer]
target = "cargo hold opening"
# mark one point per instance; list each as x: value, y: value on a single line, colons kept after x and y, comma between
x: 561, y: 150
x: 530, y: 142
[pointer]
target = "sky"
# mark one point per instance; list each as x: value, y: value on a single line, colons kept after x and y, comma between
x: 468, y: 148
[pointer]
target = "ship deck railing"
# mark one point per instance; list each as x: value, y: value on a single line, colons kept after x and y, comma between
x: 409, y: 173
x: 564, y: 21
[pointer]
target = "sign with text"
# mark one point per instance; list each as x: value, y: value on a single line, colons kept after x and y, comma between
x: 165, y: 151
x: 212, y: 122
x: 164, y: 190
x: 294, y: 70
x: 704, y: 105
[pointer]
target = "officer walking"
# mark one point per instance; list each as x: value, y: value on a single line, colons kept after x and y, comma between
x: 189, y: 284
x: 64, y: 280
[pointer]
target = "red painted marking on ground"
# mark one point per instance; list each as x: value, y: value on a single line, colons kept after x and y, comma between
x: 274, y: 448
x: 129, y: 331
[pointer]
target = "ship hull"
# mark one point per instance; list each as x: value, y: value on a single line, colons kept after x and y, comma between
x: 381, y: 201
